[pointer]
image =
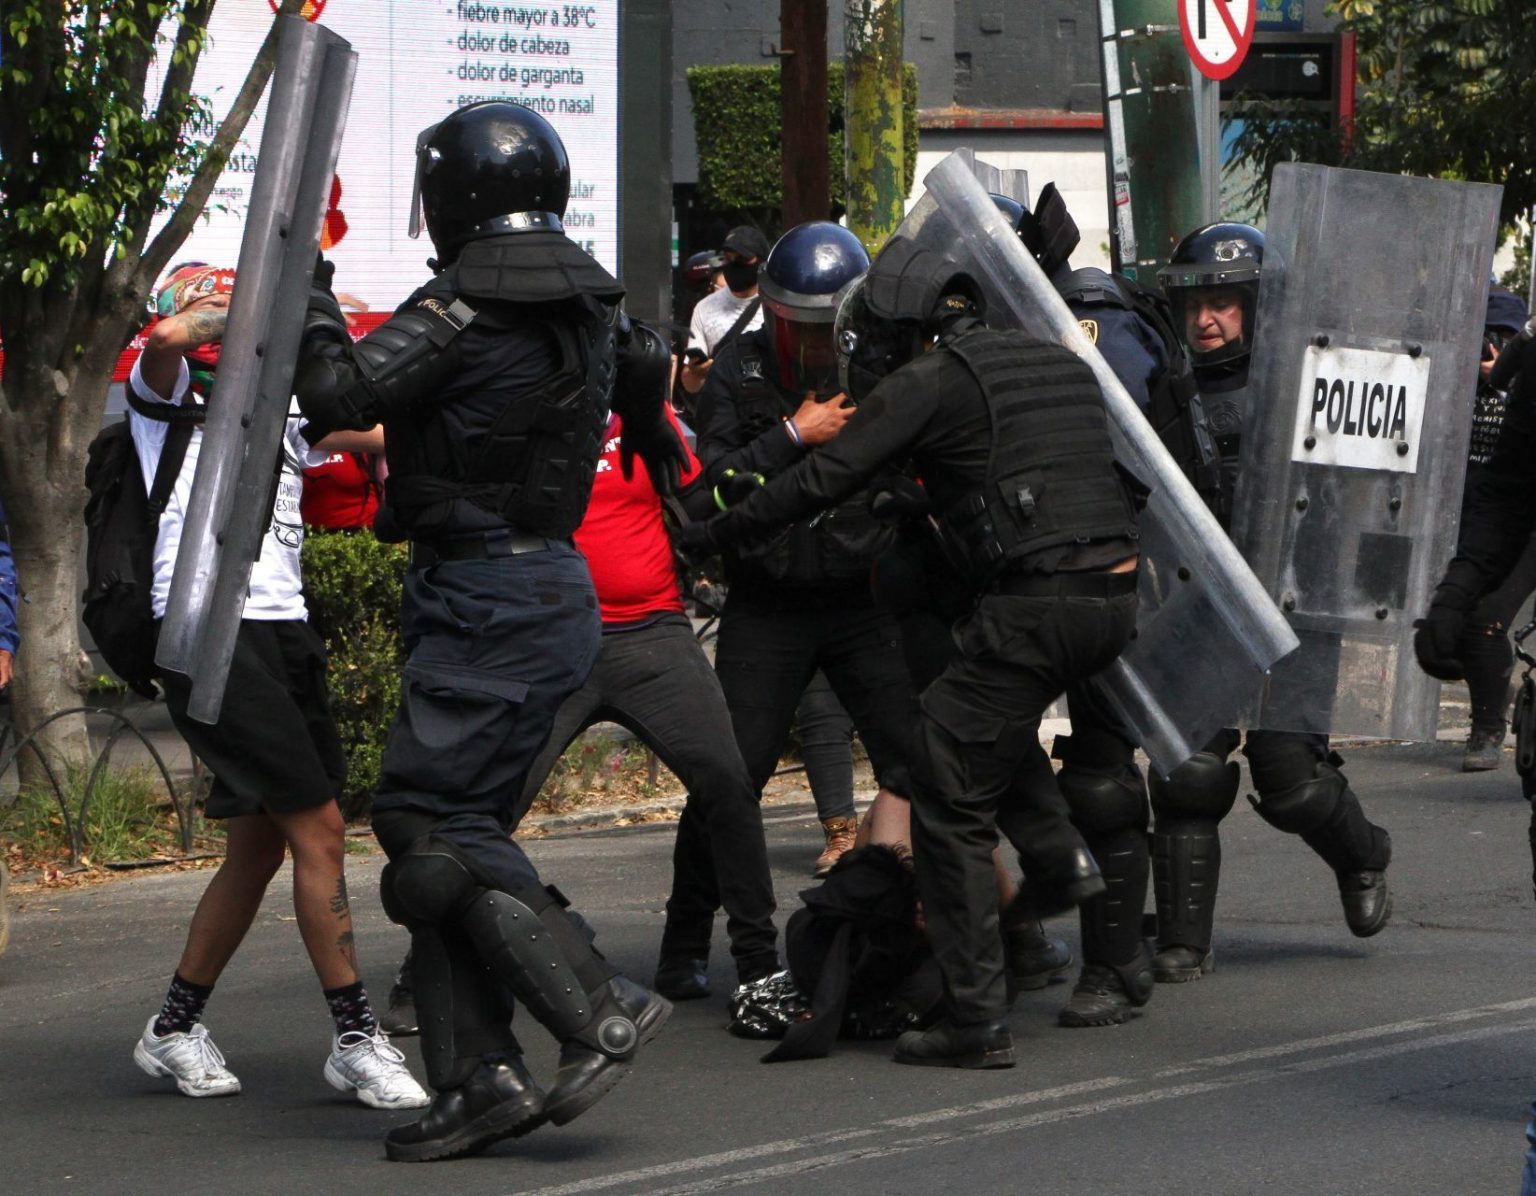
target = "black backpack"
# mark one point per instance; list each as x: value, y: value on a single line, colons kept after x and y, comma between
x: 121, y: 522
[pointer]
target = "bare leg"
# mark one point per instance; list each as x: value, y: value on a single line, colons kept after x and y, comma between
x: 889, y: 821
x: 320, y: 891
x: 228, y: 906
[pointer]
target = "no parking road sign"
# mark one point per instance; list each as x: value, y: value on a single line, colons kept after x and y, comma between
x: 1217, y: 34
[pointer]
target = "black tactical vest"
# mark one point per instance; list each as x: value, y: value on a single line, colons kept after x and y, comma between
x: 838, y: 546
x: 1052, y: 483
x: 528, y: 461
x: 1224, y: 396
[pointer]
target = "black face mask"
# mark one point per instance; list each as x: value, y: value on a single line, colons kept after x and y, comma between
x: 740, y: 276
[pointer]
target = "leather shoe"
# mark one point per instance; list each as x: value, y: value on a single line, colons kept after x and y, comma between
x: 499, y: 1100
x: 627, y: 1017
x: 1367, y: 902
x: 682, y: 979
x: 1044, y: 896
x: 983, y: 1045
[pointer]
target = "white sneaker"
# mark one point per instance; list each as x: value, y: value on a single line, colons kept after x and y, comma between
x: 189, y: 1057
x: 374, y: 1070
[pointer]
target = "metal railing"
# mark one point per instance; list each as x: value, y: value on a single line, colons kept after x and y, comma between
x: 74, y: 820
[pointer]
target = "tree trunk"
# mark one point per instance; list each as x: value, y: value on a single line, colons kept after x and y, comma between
x: 45, y: 503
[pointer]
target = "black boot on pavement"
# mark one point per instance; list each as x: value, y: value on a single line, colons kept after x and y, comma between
x: 399, y: 1019
x: 1367, y: 902
x: 1105, y: 995
x: 590, y: 1068
x: 499, y: 1100
x: 984, y: 1045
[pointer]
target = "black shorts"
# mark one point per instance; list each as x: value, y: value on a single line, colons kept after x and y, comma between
x: 275, y: 747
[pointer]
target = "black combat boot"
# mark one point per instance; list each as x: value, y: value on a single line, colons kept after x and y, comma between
x: 1186, y: 867
x: 399, y: 1019
x: 499, y: 1100
x: 984, y: 1045
x: 1105, y: 994
x: 627, y: 1017
x: 1367, y: 902
x: 1032, y: 959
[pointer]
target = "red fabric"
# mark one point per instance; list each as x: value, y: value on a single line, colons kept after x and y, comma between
x: 624, y: 540
x: 339, y: 495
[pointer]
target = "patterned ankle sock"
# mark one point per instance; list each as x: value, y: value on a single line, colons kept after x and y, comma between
x: 351, y: 1011
x: 183, y: 1006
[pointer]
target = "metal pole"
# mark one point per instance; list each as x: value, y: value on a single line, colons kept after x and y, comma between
x: 873, y: 119
x: 1155, y: 188
x: 803, y: 83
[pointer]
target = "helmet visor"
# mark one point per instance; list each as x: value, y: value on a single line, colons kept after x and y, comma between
x: 805, y: 353
x: 413, y: 229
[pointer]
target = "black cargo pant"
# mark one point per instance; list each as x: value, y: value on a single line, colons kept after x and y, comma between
x: 657, y: 681
x: 495, y: 646
x: 979, y: 758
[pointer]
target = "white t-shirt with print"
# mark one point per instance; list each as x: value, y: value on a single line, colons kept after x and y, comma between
x: 275, y: 588
x: 713, y: 316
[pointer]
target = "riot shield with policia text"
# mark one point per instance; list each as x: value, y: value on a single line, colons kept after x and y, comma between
x: 1368, y: 333
x: 231, y: 503
x: 1206, y: 632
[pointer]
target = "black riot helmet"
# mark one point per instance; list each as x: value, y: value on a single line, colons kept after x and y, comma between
x: 910, y: 297
x: 802, y: 283
x: 488, y: 169
x: 1212, y: 283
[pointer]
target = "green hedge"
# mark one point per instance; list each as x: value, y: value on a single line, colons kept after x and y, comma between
x: 352, y: 585
x: 737, y: 128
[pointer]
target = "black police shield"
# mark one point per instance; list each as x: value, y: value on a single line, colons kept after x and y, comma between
x: 1369, y: 322
x: 231, y: 503
x: 1206, y: 632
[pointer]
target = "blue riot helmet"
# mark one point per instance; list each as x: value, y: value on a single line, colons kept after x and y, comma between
x: 1212, y: 283
x: 802, y: 284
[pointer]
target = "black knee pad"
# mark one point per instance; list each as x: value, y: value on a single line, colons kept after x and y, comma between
x: 1307, y: 806
x: 1204, y: 787
x: 428, y: 885
x: 1104, y: 804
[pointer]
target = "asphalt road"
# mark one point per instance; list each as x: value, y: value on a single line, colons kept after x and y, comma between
x: 1309, y: 1062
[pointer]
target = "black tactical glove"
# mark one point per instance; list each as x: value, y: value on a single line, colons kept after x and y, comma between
x: 899, y: 498
x: 697, y: 541
x: 323, y: 320
x: 1436, y: 642
x: 735, y: 485
x: 656, y: 442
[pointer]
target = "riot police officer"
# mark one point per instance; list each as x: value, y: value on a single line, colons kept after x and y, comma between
x: 1099, y: 777
x: 1032, y: 517
x: 494, y: 382
x: 1212, y: 282
x: 802, y: 601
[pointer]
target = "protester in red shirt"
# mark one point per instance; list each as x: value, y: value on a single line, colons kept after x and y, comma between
x: 342, y: 494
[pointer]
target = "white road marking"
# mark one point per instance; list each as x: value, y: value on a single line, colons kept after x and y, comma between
x: 647, y: 1177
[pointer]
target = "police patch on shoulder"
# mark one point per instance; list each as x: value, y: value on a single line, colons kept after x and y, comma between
x: 1091, y: 327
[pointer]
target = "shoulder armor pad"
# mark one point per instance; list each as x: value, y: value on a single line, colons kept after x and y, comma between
x: 531, y: 268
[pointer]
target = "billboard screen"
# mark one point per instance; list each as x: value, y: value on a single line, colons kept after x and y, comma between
x: 418, y: 60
